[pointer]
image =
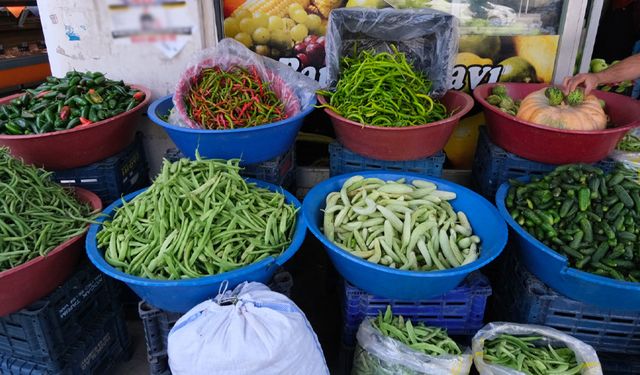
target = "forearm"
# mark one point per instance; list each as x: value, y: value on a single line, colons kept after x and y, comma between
x: 627, y: 69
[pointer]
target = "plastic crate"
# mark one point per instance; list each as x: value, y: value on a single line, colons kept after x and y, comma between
x: 526, y: 299
x: 113, y: 177
x: 158, y: 323
x: 343, y: 160
x: 619, y: 364
x: 492, y: 166
x: 42, y: 331
x: 460, y: 311
x: 103, y: 343
x: 279, y: 171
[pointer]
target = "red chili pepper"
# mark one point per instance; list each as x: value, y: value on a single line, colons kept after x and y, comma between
x: 138, y: 96
x: 64, y: 113
x: 84, y: 121
x: 43, y: 93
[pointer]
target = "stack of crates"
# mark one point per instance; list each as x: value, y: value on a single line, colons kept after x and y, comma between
x: 614, y: 334
x: 78, y: 329
x: 278, y: 171
x: 158, y: 323
x: 113, y: 177
x: 492, y: 166
x: 343, y: 160
x: 460, y: 311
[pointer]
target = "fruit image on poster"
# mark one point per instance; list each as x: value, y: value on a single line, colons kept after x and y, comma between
x: 291, y: 31
x: 494, y: 58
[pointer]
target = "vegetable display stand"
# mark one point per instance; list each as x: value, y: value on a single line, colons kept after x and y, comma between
x: 494, y: 165
x: 76, y: 329
x: 619, y: 364
x: 460, y: 311
x: 112, y: 177
x: 38, y: 332
x: 158, y: 323
x: 278, y: 171
x: 526, y: 299
x: 342, y: 160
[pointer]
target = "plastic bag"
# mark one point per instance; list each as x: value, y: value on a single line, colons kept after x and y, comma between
x: 296, y: 91
x: 251, y: 330
x: 630, y: 160
x: 584, y: 353
x: 381, y: 355
x: 428, y: 37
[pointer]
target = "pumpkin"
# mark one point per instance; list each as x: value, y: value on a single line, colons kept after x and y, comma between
x: 581, y: 115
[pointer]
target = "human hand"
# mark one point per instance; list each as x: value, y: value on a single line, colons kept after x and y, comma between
x: 588, y: 80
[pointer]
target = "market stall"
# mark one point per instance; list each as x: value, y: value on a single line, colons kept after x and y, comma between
x: 152, y: 186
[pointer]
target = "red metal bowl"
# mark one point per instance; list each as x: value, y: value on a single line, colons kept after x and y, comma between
x: 30, y: 281
x: 406, y: 143
x: 557, y: 146
x: 79, y: 146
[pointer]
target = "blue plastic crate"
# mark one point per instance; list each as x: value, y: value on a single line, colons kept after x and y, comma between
x: 460, y: 311
x: 113, y: 177
x: 279, y: 171
x: 41, y: 332
x: 103, y: 343
x: 342, y: 160
x: 619, y: 364
x: 526, y: 299
x: 493, y: 165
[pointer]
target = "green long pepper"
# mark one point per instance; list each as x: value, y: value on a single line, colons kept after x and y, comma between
x: 383, y: 90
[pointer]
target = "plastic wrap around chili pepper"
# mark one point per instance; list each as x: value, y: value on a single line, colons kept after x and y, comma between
x: 295, y: 90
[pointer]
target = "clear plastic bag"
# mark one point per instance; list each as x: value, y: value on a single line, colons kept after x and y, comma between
x: 428, y: 37
x: 584, y: 353
x: 630, y: 160
x: 294, y: 89
x: 381, y: 355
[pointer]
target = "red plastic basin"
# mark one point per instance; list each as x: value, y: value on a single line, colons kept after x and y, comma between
x: 79, y: 146
x: 30, y: 281
x: 406, y: 143
x: 557, y: 146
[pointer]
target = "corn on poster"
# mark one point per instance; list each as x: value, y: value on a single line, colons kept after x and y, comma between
x: 292, y: 32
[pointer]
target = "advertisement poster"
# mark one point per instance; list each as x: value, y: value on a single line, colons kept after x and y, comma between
x: 505, y: 40
x: 162, y: 22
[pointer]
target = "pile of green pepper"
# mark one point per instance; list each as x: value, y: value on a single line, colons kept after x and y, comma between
x: 591, y: 217
x: 64, y: 103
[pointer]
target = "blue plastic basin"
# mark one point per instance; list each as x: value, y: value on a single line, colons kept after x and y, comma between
x: 251, y: 145
x: 182, y: 295
x: 553, y: 269
x: 400, y: 284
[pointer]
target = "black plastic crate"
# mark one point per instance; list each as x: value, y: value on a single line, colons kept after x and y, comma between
x: 526, y: 299
x: 342, y: 160
x: 42, y: 331
x: 158, y: 323
x: 278, y: 171
x: 102, y: 344
x: 493, y: 166
x: 619, y: 364
x: 113, y: 177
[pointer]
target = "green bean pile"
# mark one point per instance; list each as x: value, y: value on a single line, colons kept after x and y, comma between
x: 383, y: 90
x: 198, y: 218
x: 427, y: 340
x: 405, y: 226
x: 630, y: 143
x: 36, y: 214
x: 528, y: 355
